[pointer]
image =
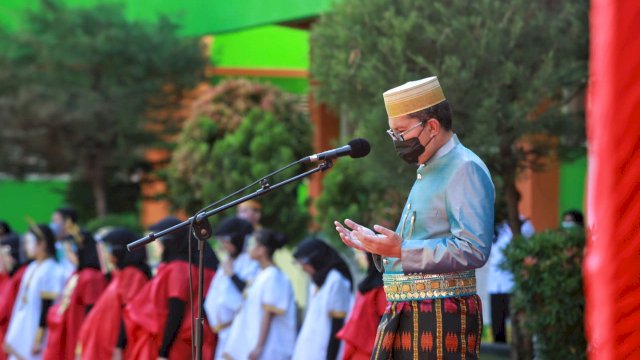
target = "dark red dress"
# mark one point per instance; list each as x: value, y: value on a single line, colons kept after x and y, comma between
x: 64, y: 320
x: 99, y: 333
x: 146, y: 315
x: 359, y: 333
x: 8, y: 293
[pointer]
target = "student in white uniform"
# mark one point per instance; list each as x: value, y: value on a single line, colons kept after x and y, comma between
x: 224, y: 297
x: 500, y: 280
x: 329, y: 301
x: 40, y: 286
x: 265, y: 328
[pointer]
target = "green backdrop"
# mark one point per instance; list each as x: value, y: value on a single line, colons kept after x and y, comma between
x: 36, y: 199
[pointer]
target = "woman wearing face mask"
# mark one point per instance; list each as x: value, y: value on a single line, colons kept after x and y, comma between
x: 158, y: 320
x: 64, y: 224
x: 41, y: 284
x: 572, y: 219
x: 102, y: 335
x: 359, y: 332
x: 224, y: 297
x: 13, y: 270
x: 265, y: 327
x: 80, y: 293
x: 329, y: 300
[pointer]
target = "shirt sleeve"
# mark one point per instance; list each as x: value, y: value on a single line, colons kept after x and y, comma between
x: 178, y: 284
x: 470, y: 196
x: 339, y: 295
x: 52, y: 284
x: 276, y: 294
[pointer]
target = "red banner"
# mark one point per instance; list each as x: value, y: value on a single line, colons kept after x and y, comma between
x: 612, y: 265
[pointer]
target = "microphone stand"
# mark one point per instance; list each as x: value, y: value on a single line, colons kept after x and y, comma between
x: 202, y: 231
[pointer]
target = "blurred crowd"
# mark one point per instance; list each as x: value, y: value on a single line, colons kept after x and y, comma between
x: 66, y: 293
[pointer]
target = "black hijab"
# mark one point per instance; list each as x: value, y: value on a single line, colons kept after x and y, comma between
x: 88, y: 252
x: 118, y: 239
x: 12, y: 240
x: 5, y: 229
x: 43, y: 233
x: 271, y: 240
x: 237, y: 230
x: 373, y: 278
x: 323, y: 258
x: 176, y: 244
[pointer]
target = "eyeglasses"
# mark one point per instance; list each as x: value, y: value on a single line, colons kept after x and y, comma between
x: 400, y: 137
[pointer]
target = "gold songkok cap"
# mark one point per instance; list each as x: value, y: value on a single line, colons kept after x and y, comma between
x: 413, y: 96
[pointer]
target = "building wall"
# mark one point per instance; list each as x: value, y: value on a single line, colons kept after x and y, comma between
x: 573, y: 185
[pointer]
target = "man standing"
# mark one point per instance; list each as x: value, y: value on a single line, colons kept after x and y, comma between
x: 445, y: 233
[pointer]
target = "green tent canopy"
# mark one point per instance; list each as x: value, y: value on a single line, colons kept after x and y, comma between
x: 198, y: 17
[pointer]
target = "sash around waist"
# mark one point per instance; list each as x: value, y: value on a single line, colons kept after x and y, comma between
x: 402, y: 287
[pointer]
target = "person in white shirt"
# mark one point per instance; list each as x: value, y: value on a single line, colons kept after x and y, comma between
x: 40, y: 286
x: 224, y: 297
x: 501, y: 281
x: 329, y: 300
x: 265, y: 327
x: 64, y: 224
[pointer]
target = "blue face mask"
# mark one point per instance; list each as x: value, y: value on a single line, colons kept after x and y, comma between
x: 568, y: 224
x: 55, y: 228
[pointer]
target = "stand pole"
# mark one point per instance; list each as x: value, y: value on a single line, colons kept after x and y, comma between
x: 202, y: 231
x: 200, y: 318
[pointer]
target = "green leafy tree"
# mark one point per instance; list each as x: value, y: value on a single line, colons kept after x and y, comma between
x: 241, y: 131
x: 87, y: 91
x: 513, y: 71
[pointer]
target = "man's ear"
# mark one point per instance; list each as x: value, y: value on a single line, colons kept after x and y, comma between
x: 433, y: 125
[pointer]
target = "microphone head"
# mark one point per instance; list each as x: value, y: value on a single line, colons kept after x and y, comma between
x: 359, y: 148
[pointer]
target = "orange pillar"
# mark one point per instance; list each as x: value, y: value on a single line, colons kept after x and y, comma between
x: 326, y: 129
x: 540, y: 194
x: 153, y: 210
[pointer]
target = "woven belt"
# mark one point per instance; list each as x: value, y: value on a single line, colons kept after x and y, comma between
x: 401, y: 287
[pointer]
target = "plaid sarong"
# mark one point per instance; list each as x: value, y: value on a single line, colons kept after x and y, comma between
x: 448, y: 328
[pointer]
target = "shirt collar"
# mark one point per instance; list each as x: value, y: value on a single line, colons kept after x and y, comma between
x: 444, y: 150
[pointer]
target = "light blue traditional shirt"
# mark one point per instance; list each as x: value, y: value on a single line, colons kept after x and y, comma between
x: 447, y: 222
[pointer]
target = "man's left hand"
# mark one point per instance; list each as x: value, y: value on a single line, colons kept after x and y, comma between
x: 386, y: 243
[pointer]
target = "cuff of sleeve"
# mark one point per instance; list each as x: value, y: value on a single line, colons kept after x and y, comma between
x: 48, y: 295
x: 39, y: 336
x: 219, y: 327
x: 338, y: 314
x: 273, y: 309
x: 411, y: 260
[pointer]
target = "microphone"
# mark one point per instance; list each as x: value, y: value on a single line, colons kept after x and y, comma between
x: 356, y: 148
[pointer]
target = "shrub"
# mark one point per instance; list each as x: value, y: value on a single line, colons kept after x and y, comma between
x: 548, y: 289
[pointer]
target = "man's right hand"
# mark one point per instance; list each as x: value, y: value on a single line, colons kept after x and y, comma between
x: 348, y: 238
